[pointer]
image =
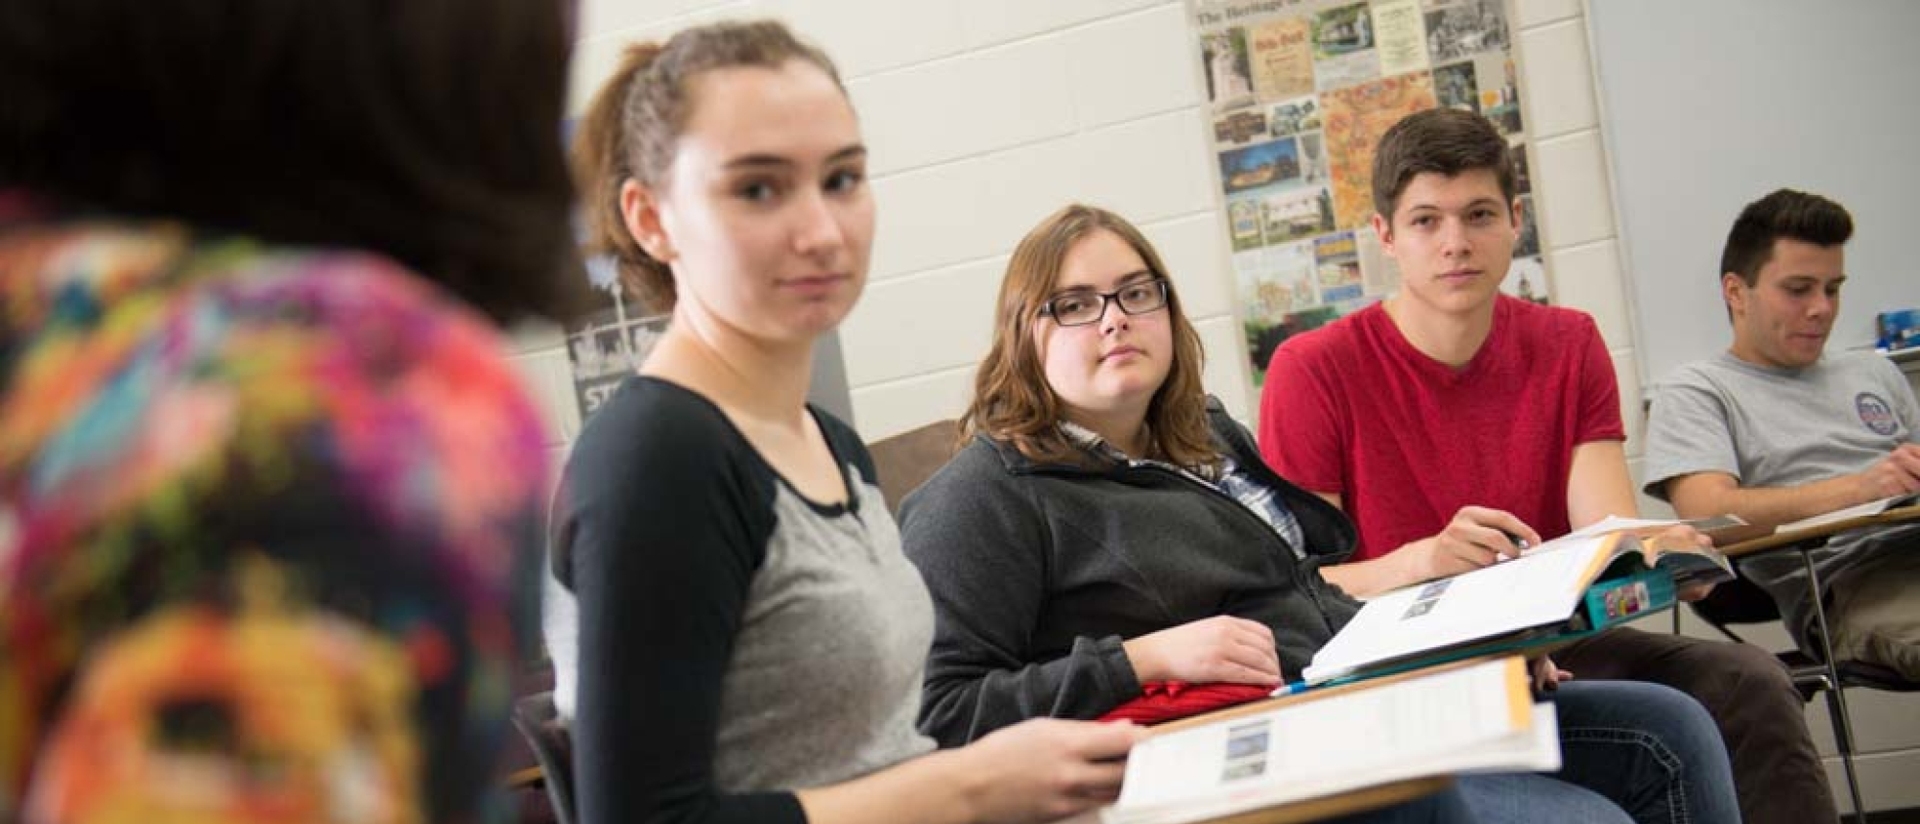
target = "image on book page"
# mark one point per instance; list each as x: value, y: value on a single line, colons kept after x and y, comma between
x: 1472, y: 719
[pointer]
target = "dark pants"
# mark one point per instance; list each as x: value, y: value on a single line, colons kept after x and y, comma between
x: 1776, y: 770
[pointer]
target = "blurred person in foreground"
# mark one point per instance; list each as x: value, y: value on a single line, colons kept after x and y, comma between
x: 269, y: 489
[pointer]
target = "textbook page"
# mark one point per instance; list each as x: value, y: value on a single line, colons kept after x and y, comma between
x: 1538, y: 589
x: 1479, y: 718
x: 1615, y: 523
x: 1868, y: 508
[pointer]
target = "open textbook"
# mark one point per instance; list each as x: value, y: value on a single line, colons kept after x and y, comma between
x: 1563, y: 589
x: 1478, y: 717
x: 1868, y: 508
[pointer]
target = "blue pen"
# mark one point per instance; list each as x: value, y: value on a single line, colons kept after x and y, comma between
x: 1294, y: 688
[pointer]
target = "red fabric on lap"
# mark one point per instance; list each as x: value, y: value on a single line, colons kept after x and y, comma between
x: 1166, y: 700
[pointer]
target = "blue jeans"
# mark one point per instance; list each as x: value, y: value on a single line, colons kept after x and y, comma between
x: 1449, y: 806
x: 1629, y: 751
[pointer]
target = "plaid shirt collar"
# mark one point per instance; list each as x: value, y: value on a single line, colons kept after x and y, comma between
x: 1091, y: 441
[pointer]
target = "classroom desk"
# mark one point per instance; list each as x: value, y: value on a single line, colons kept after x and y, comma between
x: 1814, y: 537
x: 1804, y: 541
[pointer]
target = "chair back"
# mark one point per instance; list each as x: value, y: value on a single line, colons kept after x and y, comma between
x: 907, y: 460
x: 537, y: 720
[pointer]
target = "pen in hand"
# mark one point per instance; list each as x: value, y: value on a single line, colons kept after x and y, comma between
x: 1520, y: 545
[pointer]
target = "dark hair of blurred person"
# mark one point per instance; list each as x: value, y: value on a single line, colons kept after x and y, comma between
x: 270, y: 490
x: 423, y: 130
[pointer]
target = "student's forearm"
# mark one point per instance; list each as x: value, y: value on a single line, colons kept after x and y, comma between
x: 936, y: 789
x: 1041, y: 770
x: 1365, y: 579
x: 1772, y: 505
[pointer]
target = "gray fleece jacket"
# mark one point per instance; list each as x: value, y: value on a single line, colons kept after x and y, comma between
x: 1038, y: 572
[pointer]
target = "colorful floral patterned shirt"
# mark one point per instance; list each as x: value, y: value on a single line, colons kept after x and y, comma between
x: 267, y: 523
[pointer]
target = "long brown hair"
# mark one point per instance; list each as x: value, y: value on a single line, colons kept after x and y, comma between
x: 1012, y: 400
x: 630, y: 130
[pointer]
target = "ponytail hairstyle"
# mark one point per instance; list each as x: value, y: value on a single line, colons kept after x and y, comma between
x: 631, y: 130
x: 1012, y: 400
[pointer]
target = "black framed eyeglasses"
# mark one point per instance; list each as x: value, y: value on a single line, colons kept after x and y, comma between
x: 1079, y: 307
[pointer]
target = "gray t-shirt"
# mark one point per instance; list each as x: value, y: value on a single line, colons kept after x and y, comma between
x: 1783, y: 427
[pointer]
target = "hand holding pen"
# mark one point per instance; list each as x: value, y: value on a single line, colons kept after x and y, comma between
x: 1476, y: 537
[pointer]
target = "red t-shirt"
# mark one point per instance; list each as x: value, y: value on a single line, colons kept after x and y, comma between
x: 1406, y: 441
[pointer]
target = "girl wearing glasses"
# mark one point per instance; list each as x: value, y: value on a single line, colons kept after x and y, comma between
x: 1106, y: 525
x: 750, y: 639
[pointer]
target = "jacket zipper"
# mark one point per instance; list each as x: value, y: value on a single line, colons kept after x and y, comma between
x: 1293, y: 568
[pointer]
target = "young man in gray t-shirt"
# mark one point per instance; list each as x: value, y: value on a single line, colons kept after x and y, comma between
x: 1774, y: 430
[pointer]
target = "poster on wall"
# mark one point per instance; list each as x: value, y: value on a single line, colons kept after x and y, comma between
x: 1300, y: 92
x: 607, y: 343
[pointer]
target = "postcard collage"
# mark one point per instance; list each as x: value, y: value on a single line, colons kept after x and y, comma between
x: 1299, y: 92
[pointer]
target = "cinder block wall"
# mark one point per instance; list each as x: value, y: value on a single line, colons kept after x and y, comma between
x: 985, y: 115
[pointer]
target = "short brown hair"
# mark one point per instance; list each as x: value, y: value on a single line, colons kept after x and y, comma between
x: 631, y: 129
x: 1012, y: 400
x: 1808, y: 218
x: 1445, y: 141
x: 428, y: 131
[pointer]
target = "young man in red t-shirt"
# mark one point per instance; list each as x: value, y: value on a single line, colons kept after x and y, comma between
x: 1450, y: 416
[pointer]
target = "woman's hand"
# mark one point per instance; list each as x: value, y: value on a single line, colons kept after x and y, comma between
x: 1046, y: 769
x: 1221, y: 649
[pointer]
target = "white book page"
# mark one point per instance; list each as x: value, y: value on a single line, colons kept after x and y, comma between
x: 1539, y: 588
x: 1473, y: 719
x: 1868, y: 508
x: 1615, y: 523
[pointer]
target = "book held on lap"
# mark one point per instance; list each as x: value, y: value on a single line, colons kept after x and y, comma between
x: 1562, y: 590
x: 1477, y: 717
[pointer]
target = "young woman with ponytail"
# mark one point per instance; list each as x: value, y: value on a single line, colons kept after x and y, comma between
x: 750, y: 639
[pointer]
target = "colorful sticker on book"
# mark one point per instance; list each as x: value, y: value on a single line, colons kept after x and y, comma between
x: 1631, y: 599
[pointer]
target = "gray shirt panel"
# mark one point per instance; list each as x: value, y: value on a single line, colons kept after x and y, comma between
x: 834, y: 641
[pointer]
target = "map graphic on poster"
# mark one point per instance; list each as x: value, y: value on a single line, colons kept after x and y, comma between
x: 1299, y: 93
x: 1356, y: 118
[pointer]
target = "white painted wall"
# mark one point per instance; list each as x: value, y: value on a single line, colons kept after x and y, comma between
x: 985, y: 115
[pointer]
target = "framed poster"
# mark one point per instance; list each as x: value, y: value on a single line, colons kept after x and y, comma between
x: 1299, y: 92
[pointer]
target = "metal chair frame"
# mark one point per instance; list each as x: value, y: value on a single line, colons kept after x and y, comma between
x: 1811, y: 676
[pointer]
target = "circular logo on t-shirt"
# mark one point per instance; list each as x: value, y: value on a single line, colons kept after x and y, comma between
x: 1875, y: 413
